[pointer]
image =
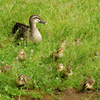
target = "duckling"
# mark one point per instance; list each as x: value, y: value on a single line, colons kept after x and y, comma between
x: 77, y: 42
x: 57, y: 55
x: 24, y: 31
x: 21, y: 56
x: 65, y: 72
x: 59, y: 67
x: 96, y: 53
x: 5, y: 68
x: 1, y: 45
x: 88, y: 83
x: 22, y: 80
x: 63, y: 44
x: 69, y: 70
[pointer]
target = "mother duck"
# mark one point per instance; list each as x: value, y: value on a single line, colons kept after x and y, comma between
x: 24, y: 31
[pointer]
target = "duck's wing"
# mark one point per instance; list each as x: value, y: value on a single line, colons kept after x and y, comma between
x: 19, y: 26
x: 20, y: 30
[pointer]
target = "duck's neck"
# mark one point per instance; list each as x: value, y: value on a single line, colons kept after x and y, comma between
x: 35, y: 34
x: 33, y: 29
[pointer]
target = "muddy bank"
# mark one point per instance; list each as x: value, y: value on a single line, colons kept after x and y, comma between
x: 69, y: 94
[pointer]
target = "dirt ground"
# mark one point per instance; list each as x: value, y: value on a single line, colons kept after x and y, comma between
x: 69, y: 94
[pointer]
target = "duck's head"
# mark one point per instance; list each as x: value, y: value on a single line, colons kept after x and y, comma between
x: 63, y: 42
x: 69, y: 70
x: 87, y: 86
x: 21, y: 77
x: 21, y: 52
x: 35, y: 19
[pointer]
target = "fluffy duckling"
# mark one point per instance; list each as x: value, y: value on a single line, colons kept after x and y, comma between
x: 21, y: 55
x: 60, y: 67
x: 88, y: 83
x: 1, y: 45
x: 57, y: 55
x: 69, y: 70
x: 5, y: 68
x: 22, y: 80
x: 94, y: 53
x: 77, y: 42
x: 63, y: 44
x: 65, y: 72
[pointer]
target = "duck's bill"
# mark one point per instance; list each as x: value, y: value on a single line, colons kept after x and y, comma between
x: 41, y: 21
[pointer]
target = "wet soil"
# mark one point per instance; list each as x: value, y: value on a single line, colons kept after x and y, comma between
x: 69, y: 94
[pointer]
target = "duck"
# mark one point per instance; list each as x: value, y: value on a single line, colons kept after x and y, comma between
x: 5, y: 68
x: 21, y: 55
x: 63, y: 44
x: 22, y: 80
x: 77, y: 42
x: 69, y: 70
x: 24, y: 31
x: 60, y: 67
x: 88, y: 83
x: 95, y: 54
x: 58, y: 54
x: 65, y: 72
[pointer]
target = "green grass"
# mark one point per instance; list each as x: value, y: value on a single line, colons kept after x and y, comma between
x: 67, y: 20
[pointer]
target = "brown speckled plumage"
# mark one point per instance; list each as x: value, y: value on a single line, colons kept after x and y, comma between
x: 22, y: 80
